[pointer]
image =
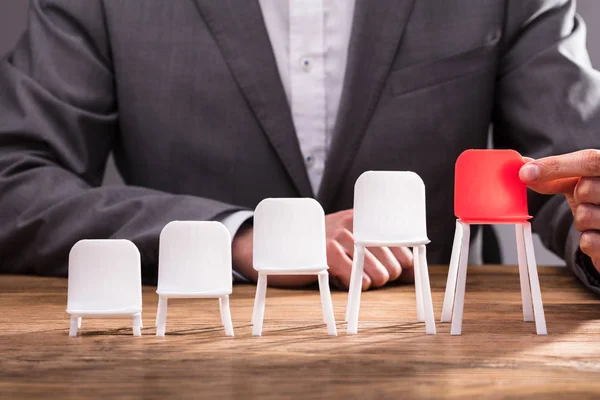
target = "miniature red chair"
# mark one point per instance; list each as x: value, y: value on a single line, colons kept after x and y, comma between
x: 487, y: 190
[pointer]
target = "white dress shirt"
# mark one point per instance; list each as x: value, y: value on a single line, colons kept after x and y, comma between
x: 310, y: 40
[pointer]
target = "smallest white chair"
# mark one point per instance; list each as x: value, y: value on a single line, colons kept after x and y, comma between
x: 105, y: 281
x: 194, y: 262
x: 289, y: 239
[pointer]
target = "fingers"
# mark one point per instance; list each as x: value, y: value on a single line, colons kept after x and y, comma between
x: 375, y: 269
x: 589, y: 243
x: 389, y: 261
x: 405, y: 257
x: 340, y: 265
x: 571, y: 165
x: 377, y: 273
x: 587, y: 217
x: 381, y: 264
x: 587, y: 190
x: 559, y: 186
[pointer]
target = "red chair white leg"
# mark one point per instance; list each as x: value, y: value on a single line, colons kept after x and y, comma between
x: 459, y: 301
x: 536, y: 294
x: 524, y: 275
x: 452, y: 274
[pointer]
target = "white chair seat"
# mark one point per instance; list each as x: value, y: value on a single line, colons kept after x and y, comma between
x: 392, y: 243
x: 297, y: 271
x: 194, y: 295
x: 120, y: 313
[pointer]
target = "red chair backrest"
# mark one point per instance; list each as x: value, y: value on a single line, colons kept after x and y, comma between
x: 487, y: 187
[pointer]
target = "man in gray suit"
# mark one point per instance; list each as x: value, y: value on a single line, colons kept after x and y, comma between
x: 211, y: 106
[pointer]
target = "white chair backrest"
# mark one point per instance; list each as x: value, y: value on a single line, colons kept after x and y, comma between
x: 289, y: 234
x: 389, y: 206
x: 194, y: 257
x: 104, y: 275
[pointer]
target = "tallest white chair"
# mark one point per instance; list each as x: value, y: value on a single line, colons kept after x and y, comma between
x: 389, y: 210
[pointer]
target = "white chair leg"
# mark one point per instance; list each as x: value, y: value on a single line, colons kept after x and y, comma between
x: 161, y: 316
x: 452, y: 273
x: 326, y: 303
x: 524, y: 275
x: 73, y: 326
x: 459, y: 300
x: 259, y: 305
x: 256, y: 296
x: 226, y: 315
x: 137, y: 324
x: 426, y: 292
x: 221, y: 310
x: 157, y: 313
x: 352, y: 278
x: 536, y: 294
x: 79, y: 322
x: 355, y: 290
x: 323, y: 311
x: 418, y: 285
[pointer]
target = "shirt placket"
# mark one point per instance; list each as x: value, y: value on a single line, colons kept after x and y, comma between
x: 307, y: 82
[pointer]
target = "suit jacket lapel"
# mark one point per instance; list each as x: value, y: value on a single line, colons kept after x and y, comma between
x: 240, y: 32
x: 376, y: 34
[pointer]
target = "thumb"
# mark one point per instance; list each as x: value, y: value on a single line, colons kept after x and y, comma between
x: 531, y: 174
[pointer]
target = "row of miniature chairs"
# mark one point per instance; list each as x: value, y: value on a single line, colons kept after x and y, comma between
x: 289, y: 238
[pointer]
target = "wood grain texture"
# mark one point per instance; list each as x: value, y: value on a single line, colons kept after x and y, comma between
x: 498, y: 355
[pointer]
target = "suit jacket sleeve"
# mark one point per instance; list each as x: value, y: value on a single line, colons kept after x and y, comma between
x: 58, y: 124
x: 548, y: 102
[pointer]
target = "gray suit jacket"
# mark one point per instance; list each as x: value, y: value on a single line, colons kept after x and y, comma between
x: 187, y: 95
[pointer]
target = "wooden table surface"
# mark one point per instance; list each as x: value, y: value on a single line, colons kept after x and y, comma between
x: 498, y: 355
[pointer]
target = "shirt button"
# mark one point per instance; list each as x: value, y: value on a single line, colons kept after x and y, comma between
x: 306, y: 65
x: 309, y: 160
x: 493, y: 37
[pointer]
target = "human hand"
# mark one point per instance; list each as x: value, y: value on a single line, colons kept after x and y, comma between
x: 577, y: 176
x: 241, y: 254
x: 382, y: 264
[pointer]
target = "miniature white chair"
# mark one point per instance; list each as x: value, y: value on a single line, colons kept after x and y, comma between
x: 105, y: 281
x: 488, y: 190
x: 194, y: 262
x: 389, y: 210
x: 289, y: 239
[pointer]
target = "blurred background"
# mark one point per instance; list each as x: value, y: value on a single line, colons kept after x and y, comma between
x: 13, y: 20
